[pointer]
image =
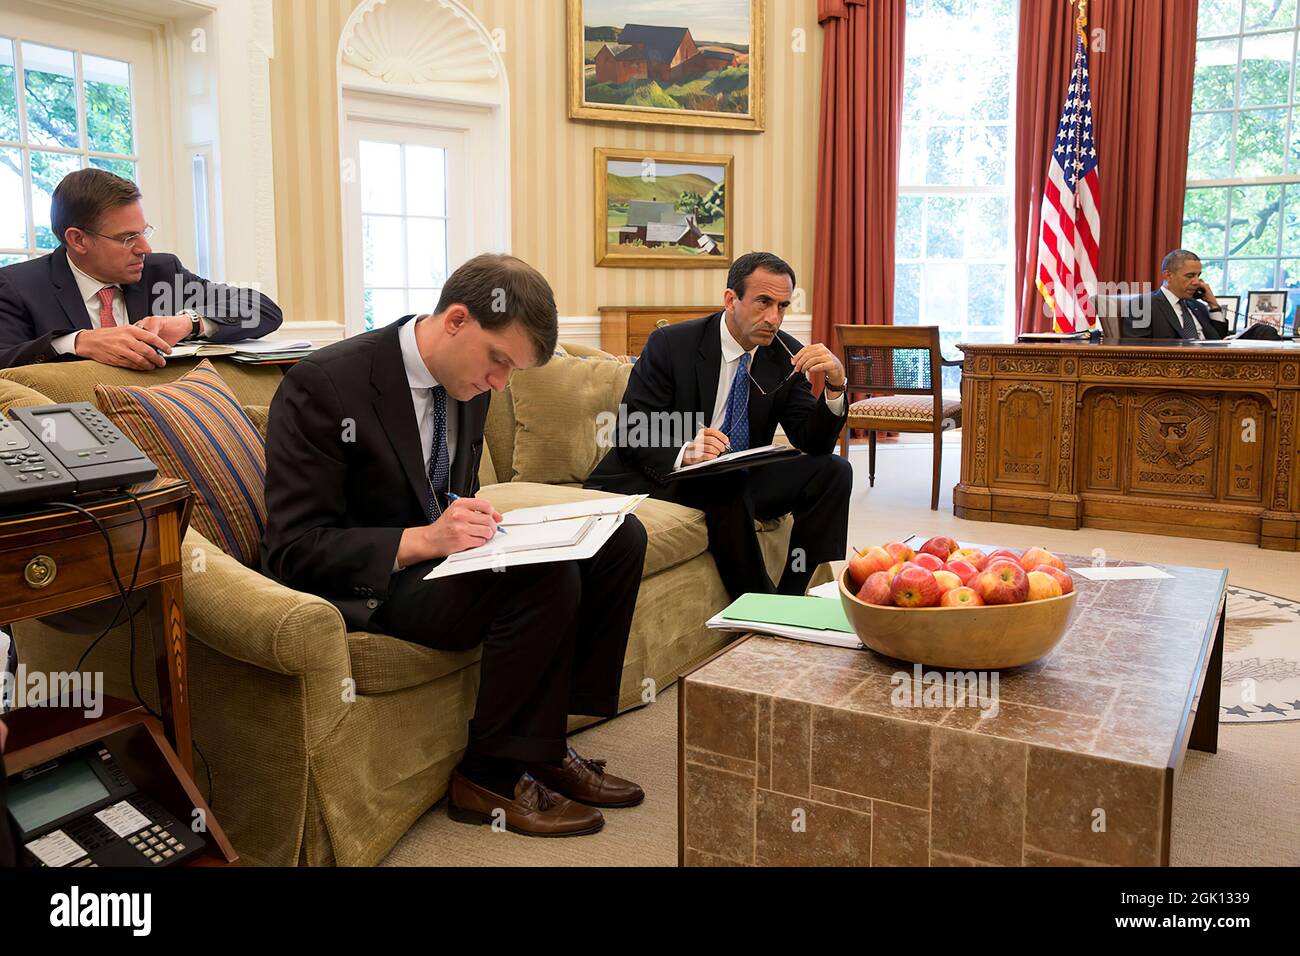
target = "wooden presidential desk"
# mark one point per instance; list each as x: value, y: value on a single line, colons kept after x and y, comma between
x: 1194, y: 440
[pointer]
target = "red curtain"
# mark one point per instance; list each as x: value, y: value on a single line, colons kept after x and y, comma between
x: 1142, y: 67
x: 857, y: 197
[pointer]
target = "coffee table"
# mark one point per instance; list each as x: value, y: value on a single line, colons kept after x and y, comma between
x: 800, y: 754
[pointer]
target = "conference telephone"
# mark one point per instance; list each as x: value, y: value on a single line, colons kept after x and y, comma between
x: 83, y: 810
x: 55, y: 451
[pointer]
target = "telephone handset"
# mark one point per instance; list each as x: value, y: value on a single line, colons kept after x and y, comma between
x: 54, y: 451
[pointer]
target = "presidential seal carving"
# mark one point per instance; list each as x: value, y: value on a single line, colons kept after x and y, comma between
x: 1174, y: 430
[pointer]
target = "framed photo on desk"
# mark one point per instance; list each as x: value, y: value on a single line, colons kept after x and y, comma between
x: 1231, y: 305
x: 1266, y: 308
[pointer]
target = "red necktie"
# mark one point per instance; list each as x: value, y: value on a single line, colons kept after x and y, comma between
x: 106, y: 319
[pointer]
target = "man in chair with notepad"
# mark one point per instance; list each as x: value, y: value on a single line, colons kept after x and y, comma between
x: 738, y: 376
x: 373, y: 449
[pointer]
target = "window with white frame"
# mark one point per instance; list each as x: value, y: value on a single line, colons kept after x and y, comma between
x: 953, y: 246
x: 60, y: 110
x: 1242, y: 210
x: 404, y: 228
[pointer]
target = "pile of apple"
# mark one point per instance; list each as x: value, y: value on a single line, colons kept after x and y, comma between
x: 944, y: 574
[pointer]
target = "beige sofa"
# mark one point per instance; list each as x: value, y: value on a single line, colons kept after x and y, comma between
x: 325, y: 746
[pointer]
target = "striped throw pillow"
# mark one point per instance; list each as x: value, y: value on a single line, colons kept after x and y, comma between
x: 194, y: 428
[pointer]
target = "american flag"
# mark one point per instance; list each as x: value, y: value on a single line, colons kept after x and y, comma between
x: 1071, y: 226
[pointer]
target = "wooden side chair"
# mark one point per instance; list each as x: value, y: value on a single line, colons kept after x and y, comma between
x: 901, y: 368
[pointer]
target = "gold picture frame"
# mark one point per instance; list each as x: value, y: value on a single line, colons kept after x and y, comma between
x: 688, y: 68
x: 663, y: 209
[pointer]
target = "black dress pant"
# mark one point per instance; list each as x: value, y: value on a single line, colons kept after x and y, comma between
x: 553, y: 636
x: 8, y: 844
x: 814, y: 488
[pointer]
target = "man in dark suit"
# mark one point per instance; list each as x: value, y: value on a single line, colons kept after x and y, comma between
x: 735, y: 374
x: 105, y: 295
x: 369, y: 442
x: 8, y: 845
x: 1173, y: 311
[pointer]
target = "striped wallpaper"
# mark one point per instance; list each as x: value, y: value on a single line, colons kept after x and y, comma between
x: 551, y: 175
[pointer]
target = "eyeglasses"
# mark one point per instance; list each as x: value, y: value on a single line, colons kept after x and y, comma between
x: 126, y: 241
x: 785, y: 381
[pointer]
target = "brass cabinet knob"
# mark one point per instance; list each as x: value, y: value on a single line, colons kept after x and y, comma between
x: 40, y: 571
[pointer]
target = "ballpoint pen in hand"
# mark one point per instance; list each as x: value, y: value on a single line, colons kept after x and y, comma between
x: 451, y: 496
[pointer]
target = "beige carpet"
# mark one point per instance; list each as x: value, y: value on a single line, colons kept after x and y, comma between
x: 1239, y: 807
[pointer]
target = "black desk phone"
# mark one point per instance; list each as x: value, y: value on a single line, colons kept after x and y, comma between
x: 55, y: 451
x: 81, y: 809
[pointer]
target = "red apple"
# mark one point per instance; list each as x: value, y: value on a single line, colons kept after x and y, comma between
x: 1042, y: 586
x: 915, y: 587
x: 1032, y: 558
x: 961, y: 597
x: 940, y: 546
x: 1001, y: 553
x: 972, y: 556
x: 1006, y: 583
x: 1062, y: 577
x: 947, y: 581
x: 928, y: 561
x: 876, y: 590
x: 900, y: 551
x: 964, y: 570
x: 894, y: 569
x: 863, y: 564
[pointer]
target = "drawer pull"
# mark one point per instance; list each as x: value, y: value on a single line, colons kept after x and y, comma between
x: 40, y: 571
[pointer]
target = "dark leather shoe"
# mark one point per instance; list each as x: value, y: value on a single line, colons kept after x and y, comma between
x: 535, y: 810
x: 587, y: 782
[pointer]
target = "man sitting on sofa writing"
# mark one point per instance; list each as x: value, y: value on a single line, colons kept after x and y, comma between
x: 105, y: 295
x: 738, y: 373
x: 369, y: 443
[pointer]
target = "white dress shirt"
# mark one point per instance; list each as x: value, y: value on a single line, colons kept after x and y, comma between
x: 89, y: 289
x: 727, y: 369
x: 421, y: 381
x: 1178, y: 311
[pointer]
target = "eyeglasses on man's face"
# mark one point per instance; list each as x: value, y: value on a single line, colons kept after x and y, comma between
x: 126, y: 241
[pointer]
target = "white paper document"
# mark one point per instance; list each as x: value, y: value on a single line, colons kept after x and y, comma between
x: 809, y: 634
x: 56, y: 849
x: 831, y: 589
x: 1142, y: 573
x: 623, y: 504
x: 258, y: 346
x: 729, y: 457
x: 123, y: 819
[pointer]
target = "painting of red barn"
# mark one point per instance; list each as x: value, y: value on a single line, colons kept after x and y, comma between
x: 667, y: 62
x: 656, y: 209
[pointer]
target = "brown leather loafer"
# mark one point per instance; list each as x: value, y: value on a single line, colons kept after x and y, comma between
x: 587, y: 782
x: 535, y: 810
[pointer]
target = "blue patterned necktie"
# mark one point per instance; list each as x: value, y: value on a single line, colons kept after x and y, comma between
x: 439, y: 460
x: 1189, y: 323
x: 736, y: 424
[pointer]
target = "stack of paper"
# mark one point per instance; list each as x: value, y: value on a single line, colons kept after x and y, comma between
x: 567, y: 532
x: 266, y: 351
x: 812, y: 619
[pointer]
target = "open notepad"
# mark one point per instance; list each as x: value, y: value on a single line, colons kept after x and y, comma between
x: 749, y: 458
x: 812, y: 619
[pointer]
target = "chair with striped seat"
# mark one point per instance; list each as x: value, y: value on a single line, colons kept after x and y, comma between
x: 901, y: 369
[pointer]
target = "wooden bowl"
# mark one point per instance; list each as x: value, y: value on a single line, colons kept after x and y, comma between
x: 990, y: 637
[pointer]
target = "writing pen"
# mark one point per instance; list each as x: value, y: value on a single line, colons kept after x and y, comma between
x: 455, y: 497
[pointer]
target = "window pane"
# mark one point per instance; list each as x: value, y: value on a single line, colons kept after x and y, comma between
x: 1210, y: 155
x: 1260, y: 138
x: 988, y: 152
x: 1212, y: 272
x: 946, y: 87
x: 1255, y: 220
x: 384, y: 307
x: 907, y: 294
x: 945, y: 227
x: 1291, y: 221
x: 13, y: 213
x: 121, y: 167
x: 1205, y: 218
x: 10, y: 260
x: 1218, y: 17
x: 944, y: 153
x: 1291, y: 273
x: 426, y: 181
x: 50, y: 87
x: 912, y: 161
x: 108, y: 104
x: 990, y: 87
x: 48, y: 169
x: 1266, y: 69
x: 8, y: 92
x: 945, y: 294
x: 1216, y: 74
x: 382, y: 249
x: 1245, y: 275
x: 1269, y: 14
x: 989, y: 235
x: 381, y: 177
x: 907, y: 232
x: 913, y: 72
x: 426, y: 251
x: 986, y: 295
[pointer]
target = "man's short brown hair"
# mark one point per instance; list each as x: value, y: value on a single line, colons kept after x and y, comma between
x: 81, y: 199
x: 498, y: 290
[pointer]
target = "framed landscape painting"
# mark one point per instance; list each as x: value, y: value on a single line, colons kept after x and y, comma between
x: 667, y: 62
x: 663, y: 210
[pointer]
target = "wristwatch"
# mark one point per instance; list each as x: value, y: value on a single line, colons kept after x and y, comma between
x: 196, y: 323
x: 837, y: 391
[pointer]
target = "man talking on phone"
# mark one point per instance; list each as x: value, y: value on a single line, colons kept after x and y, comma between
x: 1184, y: 307
x: 740, y: 376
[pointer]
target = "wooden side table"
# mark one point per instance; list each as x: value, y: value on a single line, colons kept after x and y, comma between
x: 54, y: 560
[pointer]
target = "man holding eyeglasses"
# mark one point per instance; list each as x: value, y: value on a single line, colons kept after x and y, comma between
x: 739, y: 376
x: 105, y: 295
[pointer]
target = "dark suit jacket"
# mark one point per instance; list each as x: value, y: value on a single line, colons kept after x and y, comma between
x: 345, y: 474
x: 39, y: 301
x: 1154, y: 318
x: 678, y: 372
